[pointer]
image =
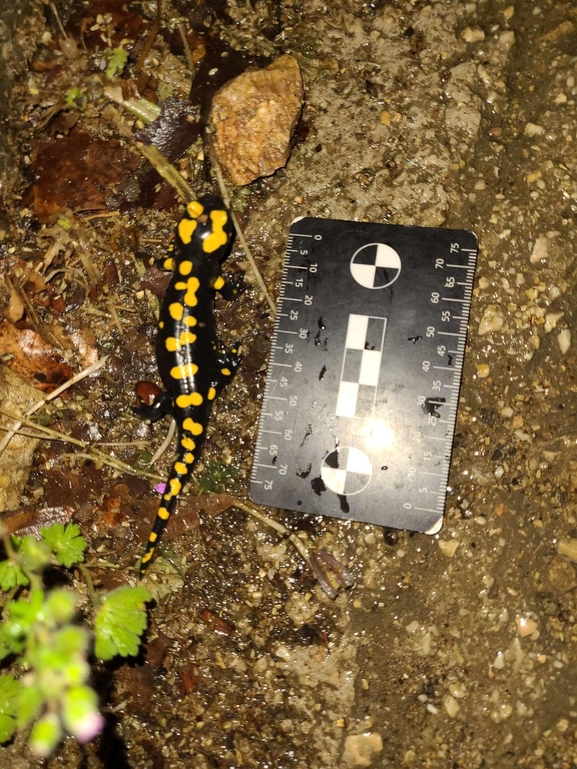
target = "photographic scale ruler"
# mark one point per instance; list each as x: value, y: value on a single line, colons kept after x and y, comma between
x: 360, y: 401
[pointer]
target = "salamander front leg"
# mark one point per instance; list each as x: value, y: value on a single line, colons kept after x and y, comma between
x: 231, y: 286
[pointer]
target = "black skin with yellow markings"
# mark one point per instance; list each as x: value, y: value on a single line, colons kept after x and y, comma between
x: 192, y: 364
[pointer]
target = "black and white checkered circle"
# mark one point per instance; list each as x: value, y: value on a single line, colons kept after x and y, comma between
x: 346, y: 470
x: 375, y: 265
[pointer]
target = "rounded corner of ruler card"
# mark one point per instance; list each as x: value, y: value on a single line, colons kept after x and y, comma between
x: 473, y: 235
x: 436, y: 527
x: 297, y: 219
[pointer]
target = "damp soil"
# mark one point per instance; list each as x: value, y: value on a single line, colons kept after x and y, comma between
x: 452, y: 650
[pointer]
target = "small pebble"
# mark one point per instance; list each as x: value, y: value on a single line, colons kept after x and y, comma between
x: 551, y: 319
x: 473, y: 34
x: 568, y: 548
x: 448, y: 547
x: 564, y: 340
x: 451, y: 706
x: 540, y: 249
x: 525, y: 626
x: 561, y: 575
x: 361, y: 749
x: 483, y: 370
x: 492, y: 320
x: 531, y: 129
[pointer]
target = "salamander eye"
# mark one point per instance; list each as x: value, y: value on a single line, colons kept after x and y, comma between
x: 146, y: 392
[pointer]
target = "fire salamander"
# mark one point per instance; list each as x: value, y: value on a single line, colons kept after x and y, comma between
x: 192, y: 364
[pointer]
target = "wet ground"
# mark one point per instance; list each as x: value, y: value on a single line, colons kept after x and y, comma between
x: 453, y: 650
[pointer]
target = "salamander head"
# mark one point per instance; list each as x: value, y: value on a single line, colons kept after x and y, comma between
x: 207, y: 223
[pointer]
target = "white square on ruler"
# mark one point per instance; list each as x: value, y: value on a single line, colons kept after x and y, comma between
x: 347, y: 399
x: 370, y: 367
x: 335, y: 479
x: 357, y: 332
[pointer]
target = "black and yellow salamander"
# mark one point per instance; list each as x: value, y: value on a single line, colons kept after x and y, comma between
x: 193, y: 365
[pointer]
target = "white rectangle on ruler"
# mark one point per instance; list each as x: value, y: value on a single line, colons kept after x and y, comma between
x: 357, y: 332
x: 347, y: 399
x: 369, y: 369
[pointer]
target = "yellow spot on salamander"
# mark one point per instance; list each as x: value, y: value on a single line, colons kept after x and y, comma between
x: 192, y: 427
x: 190, y: 321
x: 185, y: 229
x: 194, y: 209
x: 188, y: 443
x: 190, y: 399
x: 168, y: 264
x: 175, y: 486
x: 180, y: 286
x: 176, y: 311
x: 181, y: 468
x: 172, y: 344
x: 167, y: 496
x: 211, y: 395
x: 218, y: 283
x: 185, y: 268
x: 163, y: 513
x: 189, y: 458
x: 190, y: 299
x: 153, y: 537
x: 161, y: 324
x: 225, y: 371
x: 183, y: 372
x: 187, y: 337
x: 218, y: 236
x: 146, y: 558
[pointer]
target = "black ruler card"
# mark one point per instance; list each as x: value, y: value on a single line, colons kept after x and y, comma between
x: 361, y: 396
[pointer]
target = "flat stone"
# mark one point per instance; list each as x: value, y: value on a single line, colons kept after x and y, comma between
x: 254, y: 116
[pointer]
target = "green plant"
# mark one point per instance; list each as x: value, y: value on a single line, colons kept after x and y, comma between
x: 217, y: 478
x: 117, y: 58
x: 39, y: 634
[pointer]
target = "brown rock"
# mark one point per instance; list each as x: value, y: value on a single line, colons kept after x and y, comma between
x: 254, y: 116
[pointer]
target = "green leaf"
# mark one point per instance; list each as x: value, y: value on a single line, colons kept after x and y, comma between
x: 59, y: 607
x: 23, y: 613
x: 75, y: 97
x: 34, y: 554
x: 118, y: 59
x: 11, y: 575
x: 10, y: 690
x: 30, y: 704
x: 45, y: 735
x: 66, y: 543
x: 120, y: 622
x: 9, y: 645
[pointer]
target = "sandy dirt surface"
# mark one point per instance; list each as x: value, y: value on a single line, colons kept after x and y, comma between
x: 456, y: 650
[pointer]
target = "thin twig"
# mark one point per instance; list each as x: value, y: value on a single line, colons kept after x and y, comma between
x: 94, y: 595
x: 186, y: 46
x: 168, y: 172
x: 165, y: 443
x: 277, y: 527
x: 46, y: 433
x: 77, y: 378
x: 239, y: 232
x: 153, y: 32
